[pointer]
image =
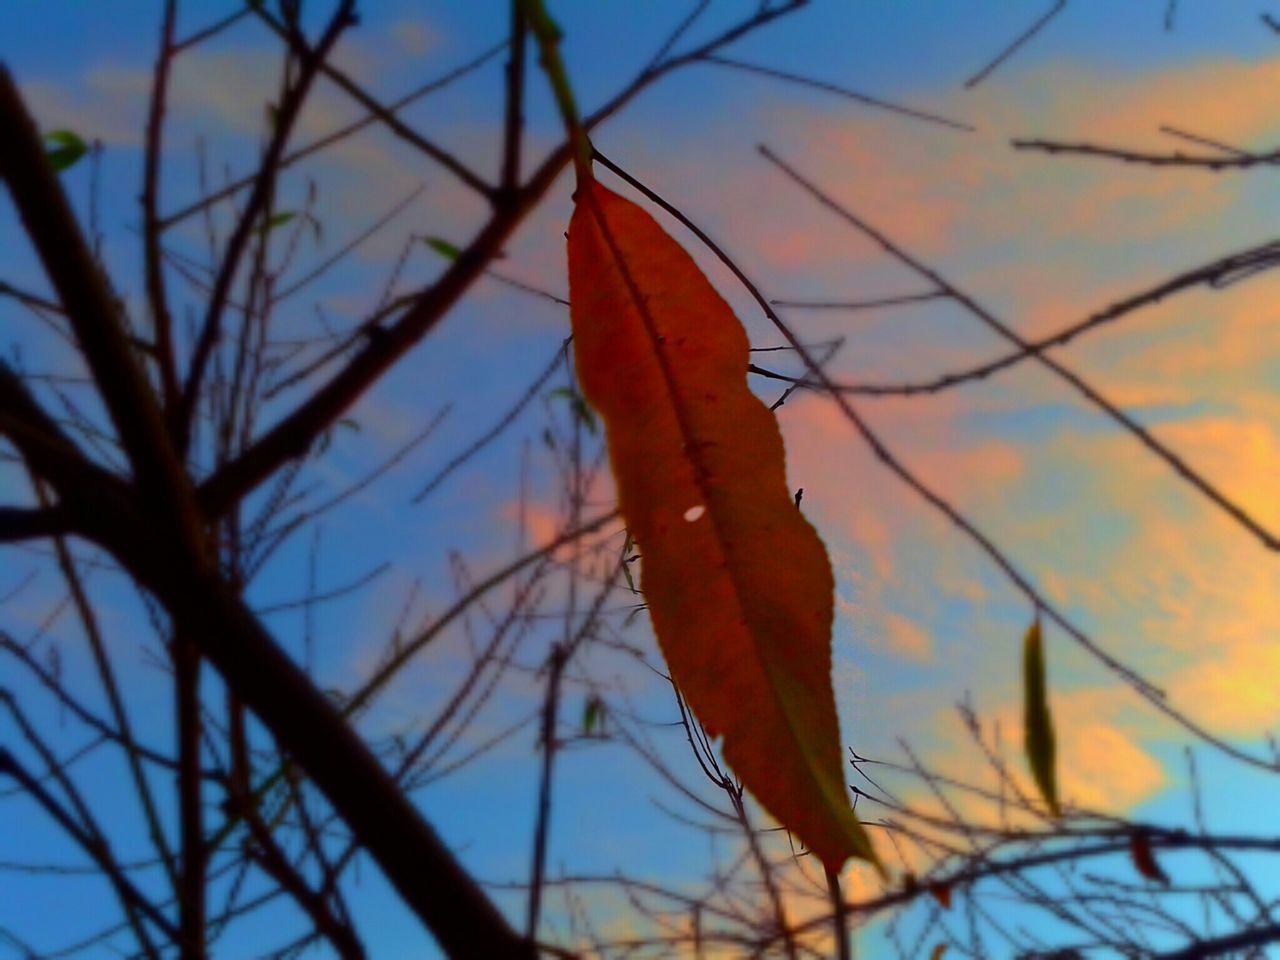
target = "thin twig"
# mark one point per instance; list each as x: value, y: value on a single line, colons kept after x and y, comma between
x: 1218, y: 275
x: 550, y: 709
x: 1213, y: 164
x: 1013, y: 47
x: 1131, y: 677
x: 865, y: 99
x: 1179, y: 466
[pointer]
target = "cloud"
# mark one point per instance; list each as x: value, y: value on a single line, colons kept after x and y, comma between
x: 855, y: 500
x: 110, y: 105
x: 1234, y: 690
x: 905, y: 638
x: 1102, y: 765
x: 970, y: 201
x: 413, y: 36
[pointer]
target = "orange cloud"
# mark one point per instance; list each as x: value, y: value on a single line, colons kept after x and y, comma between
x: 1101, y: 764
x: 905, y: 638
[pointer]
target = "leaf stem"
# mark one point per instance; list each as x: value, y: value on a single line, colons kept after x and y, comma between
x: 548, y: 35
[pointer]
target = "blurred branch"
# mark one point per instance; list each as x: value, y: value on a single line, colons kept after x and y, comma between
x: 385, y: 116
x: 286, y: 114
x: 1016, y: 45
x: 28, y: 523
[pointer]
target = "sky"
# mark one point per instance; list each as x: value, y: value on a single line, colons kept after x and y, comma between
x: 1159, y: 577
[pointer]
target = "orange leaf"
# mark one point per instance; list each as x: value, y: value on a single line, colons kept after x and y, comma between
x: 738, y: 584
x: 1144, y: 859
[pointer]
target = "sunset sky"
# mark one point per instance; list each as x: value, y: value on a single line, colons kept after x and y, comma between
x: 1156, y: 575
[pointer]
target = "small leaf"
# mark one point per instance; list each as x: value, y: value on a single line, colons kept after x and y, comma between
x: 1144, y: 859
x: 592, y: 713
x: 276, y: 220
x: 738, y: 583
x: 942, y: 893
x: 442, y: 247
x: 1037, y: 721
x: 63, y: 149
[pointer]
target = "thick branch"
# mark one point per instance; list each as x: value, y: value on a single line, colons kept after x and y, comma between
x: 48, y: 452
x: 157, y: 536
x: 25, y: 523
x: 415, y: 860
x: 91, y: 307
x: 1220, y: 946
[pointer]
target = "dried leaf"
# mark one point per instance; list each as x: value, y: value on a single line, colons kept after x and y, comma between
x: 738, y: 583
x: 1037, y: 721
x: 1144, y: 859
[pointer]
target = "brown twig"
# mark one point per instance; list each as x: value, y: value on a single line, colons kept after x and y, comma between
x: 1016, y: 45
x: 869, y: 101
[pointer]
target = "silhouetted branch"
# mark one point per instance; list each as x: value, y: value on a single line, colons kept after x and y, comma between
x: 26, y: 523
x: 1219, y: 274
x: 1254, y: 260
x: 876, y: 102
x: 1213, y: 164
x: 1016, y: 45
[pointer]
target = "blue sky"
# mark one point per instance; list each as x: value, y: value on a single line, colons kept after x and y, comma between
x: 1156, y: 575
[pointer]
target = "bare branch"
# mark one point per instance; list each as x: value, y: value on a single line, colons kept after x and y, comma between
x: 18, y: 524
x: 1179, y: 466
x: 1213, y: 164
x: 876, y: 102
x: 1017, y: 44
